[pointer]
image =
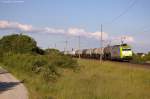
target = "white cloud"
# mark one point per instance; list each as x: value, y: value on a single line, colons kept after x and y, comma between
x: 24, y: 27
x: 12, y: 1
x: 52, y: 30
x: 125, y: 38
x: 15, y: 25
x: 128, y: 38
x: 8, y: 25
x: 82, y: 32
x: 4, y: 24
x: 97, y: 35
x: 76, y: 32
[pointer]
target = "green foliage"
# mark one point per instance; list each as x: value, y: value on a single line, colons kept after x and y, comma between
x: 17, y: 43
x: 141, y: 59
x: 147, y: 57
x: 44, y: 65
x: 109, y: 80
x: 52, y: 51
x: 38, y: 50
x: 19, y: 52
x: 37, y: 70
x: 65, y: 62
x: 37, y: 67
x: 138, y: 59
x: 1, y: 55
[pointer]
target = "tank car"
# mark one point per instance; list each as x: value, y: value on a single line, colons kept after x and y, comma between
x: 97, y: 52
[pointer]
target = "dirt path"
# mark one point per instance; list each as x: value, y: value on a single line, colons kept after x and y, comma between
x: 10, y: 87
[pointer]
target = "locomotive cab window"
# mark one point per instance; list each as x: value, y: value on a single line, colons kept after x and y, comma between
x: 126, y: 49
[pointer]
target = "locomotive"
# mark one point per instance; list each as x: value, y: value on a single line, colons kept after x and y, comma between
x: 118, y: 52
x: 115, y: 52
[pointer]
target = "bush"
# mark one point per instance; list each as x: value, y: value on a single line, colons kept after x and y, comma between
x: 44, y: 65
x: 21, y: 54
x: 52, y: 51
x: 38, y: 65
x: 38, y: 50
x: 35, y: 66
x: 17, y: 43
x: 147, y: 57
x: 1, y: 56
x: 138, y: 59
x: 65, y: 62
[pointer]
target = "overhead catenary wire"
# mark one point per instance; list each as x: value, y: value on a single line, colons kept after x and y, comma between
x: 124, y: 12
x: 132, y: 3
x: 101, y: 40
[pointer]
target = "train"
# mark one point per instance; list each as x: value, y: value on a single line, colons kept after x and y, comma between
x: 115, y: 52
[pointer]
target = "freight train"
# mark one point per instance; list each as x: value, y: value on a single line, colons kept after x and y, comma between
x: 115, y: 52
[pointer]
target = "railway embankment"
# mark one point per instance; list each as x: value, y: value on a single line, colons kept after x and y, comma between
x: 113, y: 80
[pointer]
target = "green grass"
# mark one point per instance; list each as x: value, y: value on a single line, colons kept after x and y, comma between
x: 37, y: 71
x: 106, y: 81
x: 92, y: 81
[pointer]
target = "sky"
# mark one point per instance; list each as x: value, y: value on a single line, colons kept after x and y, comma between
x: 53, y: 22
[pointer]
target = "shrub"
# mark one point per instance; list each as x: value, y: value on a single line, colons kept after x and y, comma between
x: 1, y: 56
x: 147, y: 57
x: 17, y: 43
x: 138, y: 59
x: 35, y: 66
x: 44, y: 65
x: 66, y: 62
x: 38, y: 65
x: 21, y: 54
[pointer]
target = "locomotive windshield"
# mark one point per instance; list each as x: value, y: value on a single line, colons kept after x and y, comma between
x: 127, y: 49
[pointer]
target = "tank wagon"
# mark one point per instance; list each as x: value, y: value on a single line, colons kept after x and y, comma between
x: 97, y: 52
x: 87, y: 53
x: 78, y: 53
x: 116, y: 52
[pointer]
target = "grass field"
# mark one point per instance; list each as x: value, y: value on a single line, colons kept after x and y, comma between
x: 106, y: 81
x: 93, y: 80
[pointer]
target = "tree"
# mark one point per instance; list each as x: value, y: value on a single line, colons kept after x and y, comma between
x: 52, y: 51
x: 17, y: 43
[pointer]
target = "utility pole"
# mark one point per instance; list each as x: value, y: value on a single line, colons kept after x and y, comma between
x: 66, y: 45
x: 79, y: 46
x: 101, y: 41
x: 55, y: 45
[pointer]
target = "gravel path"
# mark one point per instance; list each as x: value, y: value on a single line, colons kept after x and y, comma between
x: 10, y: 87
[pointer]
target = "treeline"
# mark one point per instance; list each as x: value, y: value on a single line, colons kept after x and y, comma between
x: 141, y: 58
x: 20, y: 53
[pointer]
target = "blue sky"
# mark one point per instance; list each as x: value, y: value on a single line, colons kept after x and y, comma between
x: 52, y: 22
